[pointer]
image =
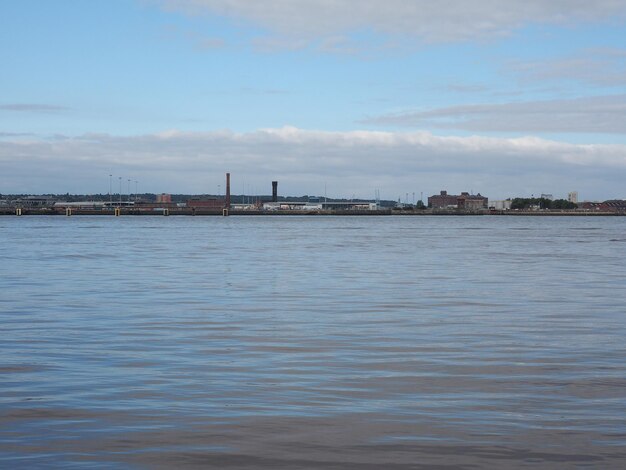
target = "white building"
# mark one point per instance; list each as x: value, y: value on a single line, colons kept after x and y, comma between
x: 573, y: 197
x: 312, y: 206
x: 502, y: 205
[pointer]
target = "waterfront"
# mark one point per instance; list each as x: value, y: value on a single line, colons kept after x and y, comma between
x: 313, y: 342
x: 187, y: 212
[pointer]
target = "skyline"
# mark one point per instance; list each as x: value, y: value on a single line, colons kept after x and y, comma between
x: 397, y: 96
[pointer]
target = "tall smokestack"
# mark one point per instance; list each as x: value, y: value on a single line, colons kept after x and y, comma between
x: 227, y: 201
x: 274, y: 191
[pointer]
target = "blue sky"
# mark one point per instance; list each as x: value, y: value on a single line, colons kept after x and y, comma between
x: 400, y: 96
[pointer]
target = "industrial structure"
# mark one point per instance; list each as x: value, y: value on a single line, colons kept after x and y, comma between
x: 227, y: 200
x: 500, y: 205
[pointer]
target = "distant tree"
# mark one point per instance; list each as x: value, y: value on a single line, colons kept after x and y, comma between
x: 520, y: 203
x: 526, y: 203
x: 542, y: 203
x: 562, y: 204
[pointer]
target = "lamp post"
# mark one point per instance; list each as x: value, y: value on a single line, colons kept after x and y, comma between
x: 120, y: 178
x: 110, y: 190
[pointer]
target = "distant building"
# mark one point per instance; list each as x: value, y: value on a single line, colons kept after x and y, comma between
x: 573, y: 197
x: 615, y: 205
x: 442, y: 201
x: 502, y: 205
x: 85, y: 205
x: 465, y: 201
x: 549, y: 197
x: 164, y: 198
x: 208, y: 203
x: 314, y: 204
x: 472, y: 202
x: 35, y: 202
x: 589, y: 206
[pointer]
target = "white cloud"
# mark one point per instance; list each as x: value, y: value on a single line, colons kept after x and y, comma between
x: 434, y: 21
x: 304, y: 160
x: 599, y: 114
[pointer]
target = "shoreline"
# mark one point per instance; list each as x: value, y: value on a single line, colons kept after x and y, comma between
x: 235, y: 213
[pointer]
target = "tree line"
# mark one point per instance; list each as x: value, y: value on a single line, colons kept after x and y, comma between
x: 541, y: 202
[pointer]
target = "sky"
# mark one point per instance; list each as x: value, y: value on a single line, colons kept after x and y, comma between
x: 507, y: 98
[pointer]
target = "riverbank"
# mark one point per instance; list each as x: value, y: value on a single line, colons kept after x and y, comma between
x: 382, y: 212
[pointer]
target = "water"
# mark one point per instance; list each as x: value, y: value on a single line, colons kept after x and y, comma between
x: 313, y: 342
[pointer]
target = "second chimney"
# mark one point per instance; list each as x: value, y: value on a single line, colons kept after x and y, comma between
x: 227, y: 201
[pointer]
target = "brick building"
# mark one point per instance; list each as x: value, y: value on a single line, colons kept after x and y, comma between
x: 472, y: 202
x: 614, y: 205
x: 442, y: 200
x: 465, y: 201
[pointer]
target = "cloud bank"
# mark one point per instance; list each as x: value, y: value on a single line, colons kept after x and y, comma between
x: 598, y: 114
x: 442, y: 21
x: 350, y: 163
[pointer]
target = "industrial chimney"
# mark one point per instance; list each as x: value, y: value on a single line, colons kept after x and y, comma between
x: 227, y: 201
x: 274, y: 191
